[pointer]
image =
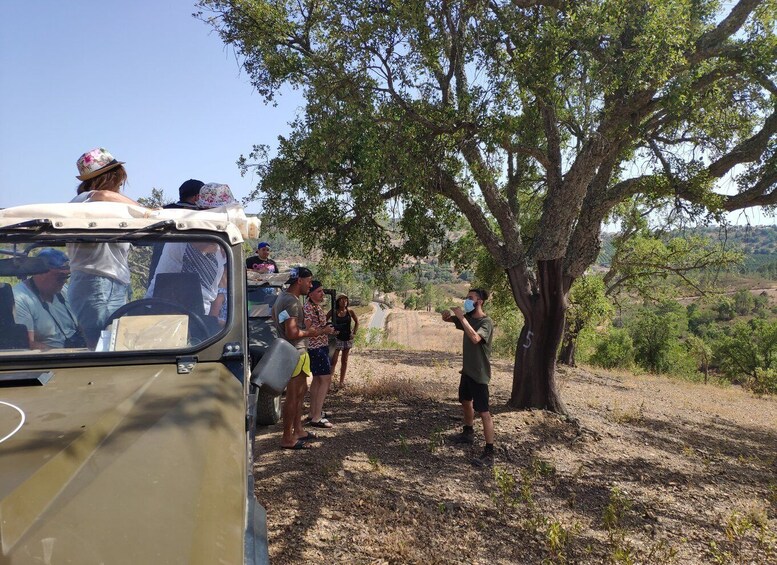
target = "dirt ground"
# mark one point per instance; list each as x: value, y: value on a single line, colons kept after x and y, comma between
x: 661, y: 471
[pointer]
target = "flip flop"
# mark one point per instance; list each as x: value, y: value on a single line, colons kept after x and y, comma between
x: 301, y: 444
x: 309, y: 437
x: 322, y: 423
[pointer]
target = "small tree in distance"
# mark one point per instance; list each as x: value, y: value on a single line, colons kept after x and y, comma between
x: 532, y: 119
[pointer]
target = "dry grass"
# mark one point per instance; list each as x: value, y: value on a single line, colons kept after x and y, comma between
x: 680, y: 473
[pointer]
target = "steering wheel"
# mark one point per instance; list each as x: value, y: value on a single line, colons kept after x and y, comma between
x: 153, y: 305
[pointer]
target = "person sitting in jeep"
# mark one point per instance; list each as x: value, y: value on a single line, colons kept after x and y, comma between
x: 44, y: 308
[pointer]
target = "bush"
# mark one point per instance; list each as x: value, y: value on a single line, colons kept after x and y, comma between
x: 699, y: 320
x: 748, y: 354
x: 764, y: 381
x: 744, y: 302
x: 614, y: 350
x: 653, y: 335
x: 725, y: 309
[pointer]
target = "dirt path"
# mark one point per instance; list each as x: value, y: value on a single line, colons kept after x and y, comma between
x: 414, y: 329
x: 667, y: 471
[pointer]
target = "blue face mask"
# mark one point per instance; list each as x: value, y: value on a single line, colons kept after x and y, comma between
x: 469, y: 305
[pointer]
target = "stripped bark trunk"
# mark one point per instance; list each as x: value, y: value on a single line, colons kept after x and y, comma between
x: 534, y: 381
x: 569, y: 344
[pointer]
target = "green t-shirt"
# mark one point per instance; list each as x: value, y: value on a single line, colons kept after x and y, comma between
x: 477, y: 356
x: 288, y: 306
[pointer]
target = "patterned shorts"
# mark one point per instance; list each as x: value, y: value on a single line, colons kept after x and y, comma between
x: 343, y: 345
x: 319, y: 361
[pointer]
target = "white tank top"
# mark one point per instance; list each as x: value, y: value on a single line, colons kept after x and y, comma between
x: 102, y: 259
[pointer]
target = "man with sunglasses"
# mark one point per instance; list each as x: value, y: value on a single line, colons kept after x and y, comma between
x: 44, y: 308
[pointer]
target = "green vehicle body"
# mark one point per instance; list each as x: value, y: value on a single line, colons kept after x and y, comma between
x: 130, y: 456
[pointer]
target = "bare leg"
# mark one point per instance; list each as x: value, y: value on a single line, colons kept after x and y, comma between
x: 317, y: 395
x: 334, y: 360
x: 315, y: 384
x: 291, y: 409
x: 488, y: 426
x: 469, y: 413
x: 343, y: 366
x: 298, y: 430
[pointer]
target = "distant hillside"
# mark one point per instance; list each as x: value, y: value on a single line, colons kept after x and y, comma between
x: 758, y: 243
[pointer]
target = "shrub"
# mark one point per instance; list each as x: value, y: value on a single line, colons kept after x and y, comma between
x: 725, y: 309
x: 764, y: 381
x: 614, y: 350
x: 749, y: 353
x: 744, y: 302
x: 653, y: 335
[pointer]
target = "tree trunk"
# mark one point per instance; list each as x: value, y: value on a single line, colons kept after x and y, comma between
x: 568, y: 348
x: 534, y: 381
x: 569, y: 344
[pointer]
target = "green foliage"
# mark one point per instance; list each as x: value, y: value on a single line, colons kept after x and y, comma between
x: 345, y: 277
x: 654, y: 331
x: 614, y: 350
x: 531, y: 123
x: 725, y: 309
x: 699, y: 320
x: 701, y: 352
x: 748, y: 354
x: 156, y: 200
x: 744, y: 302
x: 654, y: 262
x: 588, y: 304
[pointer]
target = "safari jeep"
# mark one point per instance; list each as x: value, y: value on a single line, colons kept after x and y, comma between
x: 137, y: 449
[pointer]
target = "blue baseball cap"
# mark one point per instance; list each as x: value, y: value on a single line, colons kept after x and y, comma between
x: 54, y: 258
x: 262, y: 245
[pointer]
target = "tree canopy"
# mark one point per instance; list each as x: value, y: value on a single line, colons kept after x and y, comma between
x: 533, y: 119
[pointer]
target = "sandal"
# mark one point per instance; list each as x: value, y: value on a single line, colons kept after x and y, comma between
x: 301, y: 444
x: 322, y: 423
x: 309, y: 437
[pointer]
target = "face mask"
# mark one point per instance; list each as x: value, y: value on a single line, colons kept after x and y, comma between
x: 469, y: 305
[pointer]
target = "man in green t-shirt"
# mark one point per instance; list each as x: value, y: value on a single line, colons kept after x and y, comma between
x: 478, y: 329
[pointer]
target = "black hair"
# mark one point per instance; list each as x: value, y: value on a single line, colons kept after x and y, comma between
x: 482, y: 293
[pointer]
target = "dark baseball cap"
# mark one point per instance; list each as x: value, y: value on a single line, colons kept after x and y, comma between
x: 298, y: 273
x: 190, y: 188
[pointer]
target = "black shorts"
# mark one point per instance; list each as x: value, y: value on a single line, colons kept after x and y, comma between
x: 474, y: 391
x: 319, y: 361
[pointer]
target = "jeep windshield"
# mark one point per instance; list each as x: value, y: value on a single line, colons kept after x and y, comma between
x: 97, y: 293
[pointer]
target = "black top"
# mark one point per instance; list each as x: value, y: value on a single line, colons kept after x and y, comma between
x: 343, y: 326
x: 254, y: 261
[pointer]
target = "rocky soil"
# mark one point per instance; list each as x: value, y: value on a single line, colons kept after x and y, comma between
x: 657, y: 471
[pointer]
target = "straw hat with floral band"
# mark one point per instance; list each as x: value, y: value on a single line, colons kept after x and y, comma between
x: 95, y: 162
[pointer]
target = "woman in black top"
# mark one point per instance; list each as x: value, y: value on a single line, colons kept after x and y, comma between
x: 343, y: 316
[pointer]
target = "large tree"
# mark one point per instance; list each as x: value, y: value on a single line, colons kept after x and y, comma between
x: 531, y: 118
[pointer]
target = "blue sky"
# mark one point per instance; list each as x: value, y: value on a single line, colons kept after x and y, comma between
x: 142, y: 78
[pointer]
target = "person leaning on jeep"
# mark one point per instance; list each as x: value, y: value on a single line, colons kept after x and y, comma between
x: 261, y: 262
x: 289, y: 318
x: 44, y: 308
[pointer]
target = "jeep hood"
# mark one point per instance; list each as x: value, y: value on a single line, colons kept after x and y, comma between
x: 132, y: 464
